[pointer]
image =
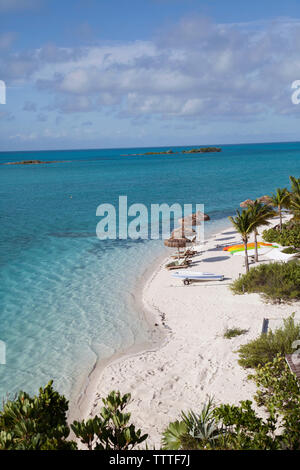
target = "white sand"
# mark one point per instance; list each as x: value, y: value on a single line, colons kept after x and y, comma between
x: 195, y: 360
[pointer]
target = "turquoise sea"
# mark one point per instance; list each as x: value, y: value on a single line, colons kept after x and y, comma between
x: 65, y: 295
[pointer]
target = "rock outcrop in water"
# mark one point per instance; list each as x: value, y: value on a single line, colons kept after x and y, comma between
x: 171, y: 152
x: 165, y: 152
x: 30, y: 162
x: 203, y: 150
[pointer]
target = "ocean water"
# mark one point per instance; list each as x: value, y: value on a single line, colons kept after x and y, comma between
x: 66, y: 296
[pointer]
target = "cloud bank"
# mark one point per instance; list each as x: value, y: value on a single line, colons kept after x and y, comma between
x: 197, y: 70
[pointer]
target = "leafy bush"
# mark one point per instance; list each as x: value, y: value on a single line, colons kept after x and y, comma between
x: 39, y: 423
x: 35, y: 423
x: 245, y: 430
x: 289, y: 250
x: 194, y: 431
x: 233, y: 332
x: 288, y: 236
x: 111, y: 429
x: 276, y: 385
x: 277, y: 282
x: 266, y: 347
x: 278, y: 389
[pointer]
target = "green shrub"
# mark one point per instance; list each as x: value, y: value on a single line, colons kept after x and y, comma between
x: 276, y: 385
x: 35, y: 423
x: 111, y: 429
x: 288, y: 236
x: 194, y: 430
x: 233, y: 332
x: 277, y: 282
x: 40, y: 423
x: 266, y: 347
x: 289, y: 250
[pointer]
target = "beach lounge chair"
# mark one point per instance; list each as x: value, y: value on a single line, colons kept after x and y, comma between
x: 191, y: 252
x: 179, y: 264
x: 187, y: 253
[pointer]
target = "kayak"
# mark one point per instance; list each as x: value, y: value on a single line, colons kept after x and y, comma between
x: 241, y: 246
x: 188, y: 276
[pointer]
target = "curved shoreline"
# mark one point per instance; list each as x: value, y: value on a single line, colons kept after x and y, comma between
x: 80, y: 406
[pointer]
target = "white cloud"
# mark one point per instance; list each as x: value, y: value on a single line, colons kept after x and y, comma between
x: 24, y: 137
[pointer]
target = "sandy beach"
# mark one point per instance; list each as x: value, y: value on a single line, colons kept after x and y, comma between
x: 192, y: 360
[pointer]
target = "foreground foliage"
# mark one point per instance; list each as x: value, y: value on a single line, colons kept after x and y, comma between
x: 267, y: 346
x: 194, y: 430
x: 111, y: 429
x: 39, y: 423
x: 277, y: 282
x: 277, y: 387
x: 35, y: 423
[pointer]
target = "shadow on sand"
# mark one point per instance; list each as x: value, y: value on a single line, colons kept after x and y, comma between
x: 229, y: 233
x: 222, y: 239
x: 215, y: 258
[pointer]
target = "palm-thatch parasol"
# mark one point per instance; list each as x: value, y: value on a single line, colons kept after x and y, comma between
x: 185, y: 232
x: 176, y: 243
x: 247, y: 203
x: 194, y: 219
x: 265, y: 200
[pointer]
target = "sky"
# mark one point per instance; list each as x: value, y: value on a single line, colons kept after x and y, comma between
x: 138, y: 73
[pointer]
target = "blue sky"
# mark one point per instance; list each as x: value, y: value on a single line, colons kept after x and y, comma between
x: 115, y: 73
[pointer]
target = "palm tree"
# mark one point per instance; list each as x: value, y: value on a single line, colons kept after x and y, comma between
x: 280, y: 200
x: 294, y: 203
x: 243, y: 223
x: 260, y: 215
x: 295, y: 207
x: 295, y: 183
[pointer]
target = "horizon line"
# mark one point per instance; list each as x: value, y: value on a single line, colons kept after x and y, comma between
x: 148, y: 146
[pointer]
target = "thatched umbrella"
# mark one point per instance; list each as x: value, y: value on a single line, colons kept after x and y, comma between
x: 185, y: 232
x: 265, y: 200
x: 194, y: 219
x: 176, y: 243
x: 247, y: 203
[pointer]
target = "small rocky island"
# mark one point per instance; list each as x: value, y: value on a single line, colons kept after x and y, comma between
x: 170, y: 152
x: 30, y: 162
x: 203, y: 150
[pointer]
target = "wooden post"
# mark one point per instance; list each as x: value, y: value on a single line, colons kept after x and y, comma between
x: 265, y: 326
